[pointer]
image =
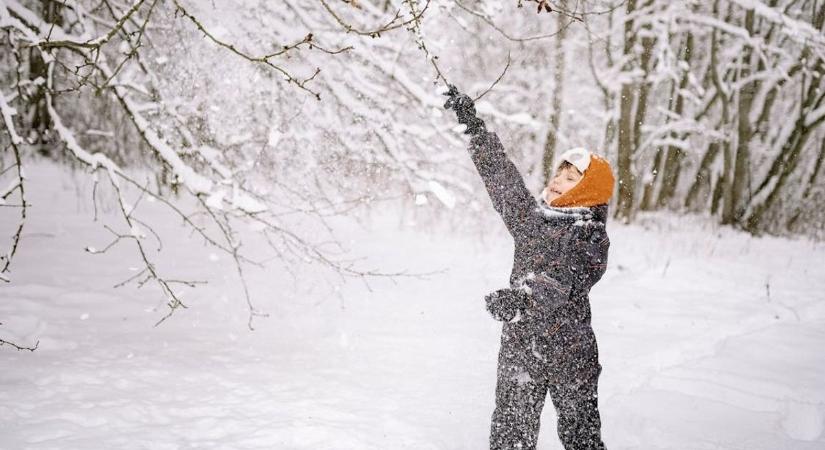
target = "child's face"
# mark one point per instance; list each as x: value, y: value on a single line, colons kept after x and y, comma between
x: 564, y: 180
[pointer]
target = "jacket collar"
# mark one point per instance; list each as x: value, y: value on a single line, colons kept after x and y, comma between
x: 573, y: 214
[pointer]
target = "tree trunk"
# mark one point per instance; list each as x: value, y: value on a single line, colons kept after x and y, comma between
x: 803, y: 204
x: 734, y: 207
x: 792, y: 149
x: 815, y: 173
x: 627, y: 179
x: 644, y: 87
x: 555, y: 115
x: 650, y: 182
x: 718, y: 194
x: 789, y: 155
x: 787, y: 160
x: 702, y: 178
x: 40, y: 121
x: 641, y: 111
x: 673, y: 160
x: 652, y: 177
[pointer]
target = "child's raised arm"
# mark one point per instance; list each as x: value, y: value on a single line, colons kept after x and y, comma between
x: 510, y: 196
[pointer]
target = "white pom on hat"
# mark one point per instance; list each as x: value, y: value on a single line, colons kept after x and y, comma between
x: 579, y: 157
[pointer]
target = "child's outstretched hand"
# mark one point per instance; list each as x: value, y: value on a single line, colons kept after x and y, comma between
x: 465, y: 110
x: 507, y: 305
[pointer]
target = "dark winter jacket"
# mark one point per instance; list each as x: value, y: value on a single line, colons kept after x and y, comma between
x: 547, y: 343
x: 560, y: 253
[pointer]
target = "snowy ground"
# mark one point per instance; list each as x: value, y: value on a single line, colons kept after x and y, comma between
x: 709, y: 339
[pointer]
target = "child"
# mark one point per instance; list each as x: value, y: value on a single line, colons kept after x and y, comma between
x: 547, y: 343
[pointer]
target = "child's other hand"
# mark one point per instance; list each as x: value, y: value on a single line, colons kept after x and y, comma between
x: 506, y: 305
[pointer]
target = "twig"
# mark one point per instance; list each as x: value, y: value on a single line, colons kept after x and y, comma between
x: 265, y: 59
x: 503, y: 72
x: 97, y: 42
x: 18, y: 347
x: 506, y: 35
x: 227, y: 233
x: 6, y: 111
x: 438, y: 73
x: 376, y: 32
x: 548, y: 6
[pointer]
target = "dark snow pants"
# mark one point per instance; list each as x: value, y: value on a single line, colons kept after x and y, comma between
x: 561, y: 362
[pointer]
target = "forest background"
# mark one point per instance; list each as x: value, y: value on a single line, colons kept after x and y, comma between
x: 279, y: 114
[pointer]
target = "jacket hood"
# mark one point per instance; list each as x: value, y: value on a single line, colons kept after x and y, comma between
x: 594, y: 188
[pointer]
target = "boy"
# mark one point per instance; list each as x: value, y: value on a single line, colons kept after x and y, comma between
x: 547, y: 343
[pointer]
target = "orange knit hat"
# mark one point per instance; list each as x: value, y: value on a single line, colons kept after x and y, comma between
x: 595, y: 186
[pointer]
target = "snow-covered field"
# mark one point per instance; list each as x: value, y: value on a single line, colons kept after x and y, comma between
x: 710, y: 339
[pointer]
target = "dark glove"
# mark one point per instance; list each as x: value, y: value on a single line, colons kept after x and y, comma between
x: 465, y: 110
x: 506, y: 304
